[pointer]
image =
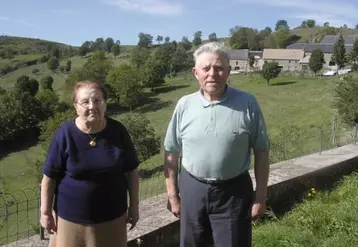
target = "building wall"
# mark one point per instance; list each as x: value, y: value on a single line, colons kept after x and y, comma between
x: 287, y: 65
x: 242, y: 65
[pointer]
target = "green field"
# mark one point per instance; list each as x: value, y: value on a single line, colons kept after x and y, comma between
x: 326, y: 219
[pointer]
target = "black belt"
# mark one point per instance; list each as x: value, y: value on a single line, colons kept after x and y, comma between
x: 216, y: 181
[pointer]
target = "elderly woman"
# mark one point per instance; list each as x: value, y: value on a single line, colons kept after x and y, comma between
x: 90, y: 167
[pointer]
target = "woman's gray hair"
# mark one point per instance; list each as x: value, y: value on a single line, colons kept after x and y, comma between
x: 211, y: 47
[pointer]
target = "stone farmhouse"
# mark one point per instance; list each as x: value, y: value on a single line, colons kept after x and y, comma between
x: 294, y: 58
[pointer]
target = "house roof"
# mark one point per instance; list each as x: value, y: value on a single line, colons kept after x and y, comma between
x: 348, y: 39
x: 283, y: 54
x: 309, y: 47
x: 239, y: 54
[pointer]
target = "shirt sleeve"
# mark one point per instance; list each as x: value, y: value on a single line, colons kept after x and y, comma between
x: 54, y: 166
x: 259, y: 139
x: 131, y: 161
x: 172, y: 140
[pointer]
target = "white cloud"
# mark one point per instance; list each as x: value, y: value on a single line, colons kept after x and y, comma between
x: 25, y: 23
x: 154, y: 7
x: 334, y: 12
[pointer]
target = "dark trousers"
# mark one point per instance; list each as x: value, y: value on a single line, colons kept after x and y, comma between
x: 215, y: 212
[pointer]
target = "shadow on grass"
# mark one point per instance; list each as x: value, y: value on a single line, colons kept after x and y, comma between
x: 149, y: 173
x: 16, y: 145
x: 283, y: 83
x: 153, y: 104
x: 166, y: 89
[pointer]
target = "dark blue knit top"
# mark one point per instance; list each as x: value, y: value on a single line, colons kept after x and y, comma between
x: 91, y: 184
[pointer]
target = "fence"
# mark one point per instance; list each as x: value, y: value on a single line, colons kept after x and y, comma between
x: 19, y: 211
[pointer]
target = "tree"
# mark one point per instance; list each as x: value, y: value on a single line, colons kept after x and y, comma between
x: 304, y: 24
x: 145, y: 40
x: 316, y: 61
x: 212, y: 37
x: 326, y: 24
x: 108, y: 43
x: 154, y: 73
x: 49, y: 101
x: 282, y: 36
x: 310, y: 23
x: 346, y: 100
x: 143, y: 135
x: 139, y: 56
x: 159, y: 39
x: 46, y: 83
x: 26, y: 85
x: 281, y: 24
x: 251, y: 61
x: 118, y: 42
x: 125, y: 83
x: 197, y: 38
x: 167, y: 39
x: 53, y: 63
x: 339, y: 53
x: 270, y: 70
x: 68, y: 66
x: 84, y: 49
x: 116, y: 50
x: 55, y: 52
x: 353, y: 55
x: 185, y: 43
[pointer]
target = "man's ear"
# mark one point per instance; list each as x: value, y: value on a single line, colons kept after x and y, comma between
x: 194, y: 71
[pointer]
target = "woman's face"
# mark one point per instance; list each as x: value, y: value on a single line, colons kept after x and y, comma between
x: 90, y: 104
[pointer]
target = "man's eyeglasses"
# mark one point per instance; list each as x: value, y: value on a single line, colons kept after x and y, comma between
x: 86, y: 103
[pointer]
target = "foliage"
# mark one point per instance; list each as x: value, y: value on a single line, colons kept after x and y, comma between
x: 197, y: 38
x: 316, y: 60
x: 212, y: 37
x: 25, y: 84
x: 46, y: 82
x: 146, y: 142
x: 108, y: 44
x: 270, y: 70
x: 49, y: 101
x: 346, y: 100
x: 251, y: 61
x: 281, y: 24
x: 154, y: 73
x: 353, y: 55
x: 68, y: 66
x: 139, y: 56
x: 339, y: 53
x: 50, y: 126
x: 116, y: 50
x: 53, y: 63
x: 125, y: 83
x: 145, y: 40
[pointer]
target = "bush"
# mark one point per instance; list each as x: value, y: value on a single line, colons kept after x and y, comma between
x: 35, y: 71
x: 346, y: 100
x: 143, y: 135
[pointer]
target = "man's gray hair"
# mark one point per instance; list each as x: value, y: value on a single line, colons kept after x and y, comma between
x: 211, y: 47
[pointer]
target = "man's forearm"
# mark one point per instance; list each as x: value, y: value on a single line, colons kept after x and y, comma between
x: 133, y: 187
x: 47, y: 193
x: 262, y: 168
x: 170, y: 173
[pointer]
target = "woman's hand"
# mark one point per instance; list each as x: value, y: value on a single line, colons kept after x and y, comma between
x: 47, y: 221
x: 133, y: 216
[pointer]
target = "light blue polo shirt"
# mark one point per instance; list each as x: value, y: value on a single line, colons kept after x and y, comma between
x: 216, y: 138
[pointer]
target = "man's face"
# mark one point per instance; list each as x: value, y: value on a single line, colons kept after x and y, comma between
x: 212, y: 71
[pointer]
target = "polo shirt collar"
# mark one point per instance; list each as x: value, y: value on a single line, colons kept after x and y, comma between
x: 207, y: 103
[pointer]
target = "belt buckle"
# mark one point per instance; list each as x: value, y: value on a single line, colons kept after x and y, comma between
x: 211, y: 180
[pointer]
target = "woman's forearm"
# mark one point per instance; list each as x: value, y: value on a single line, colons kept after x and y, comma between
x: 47, y: 193
x: 133, y: 187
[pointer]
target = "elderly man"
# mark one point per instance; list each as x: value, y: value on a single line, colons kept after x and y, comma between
x: 213, y: 132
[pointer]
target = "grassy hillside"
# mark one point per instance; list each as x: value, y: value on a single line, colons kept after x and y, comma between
x: 307, y: 34
x: 325, y: 219
x: 24, y: 45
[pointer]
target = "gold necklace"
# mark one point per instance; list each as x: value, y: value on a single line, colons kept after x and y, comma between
x: 92, y: 143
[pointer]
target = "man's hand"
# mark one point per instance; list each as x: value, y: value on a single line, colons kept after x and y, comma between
x: 133, y: 216
x: 258, y: 210
x: 47, y: 221
x: 175, y: 206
